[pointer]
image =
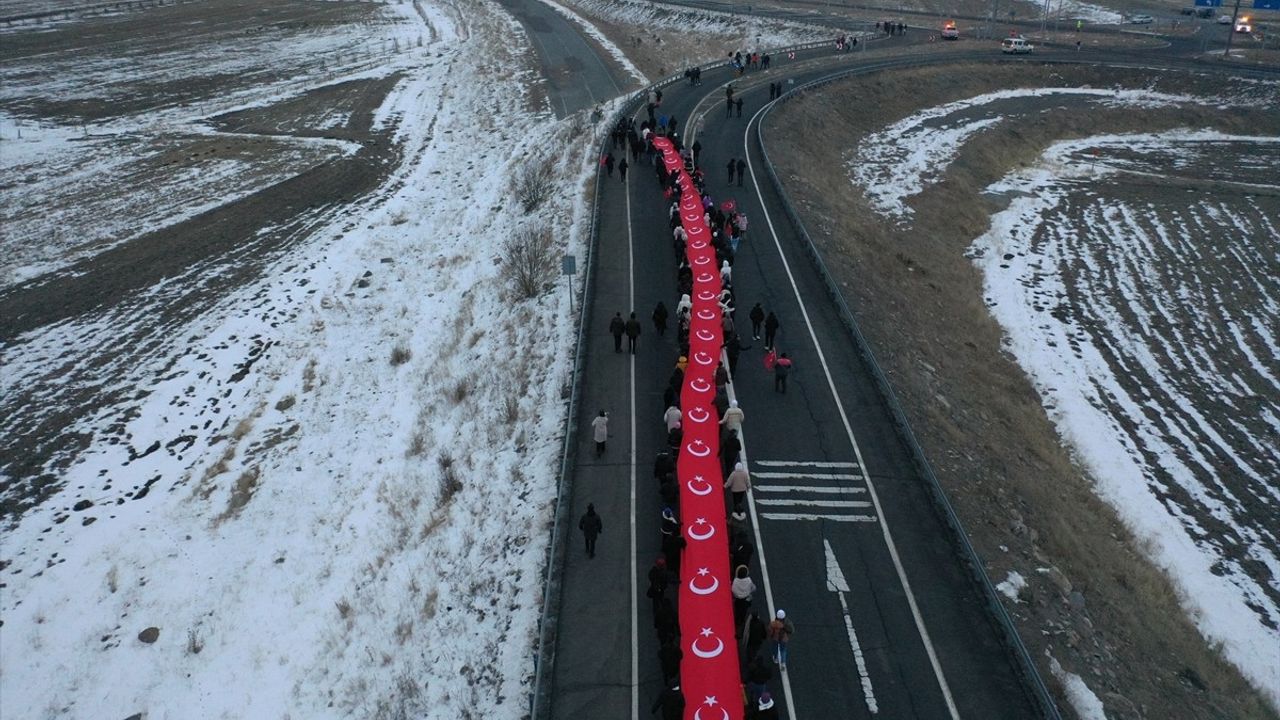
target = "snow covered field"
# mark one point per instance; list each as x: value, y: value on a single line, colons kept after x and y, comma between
x: 329, y: 490
x: 1136, y: 278
x: 1148, y: 328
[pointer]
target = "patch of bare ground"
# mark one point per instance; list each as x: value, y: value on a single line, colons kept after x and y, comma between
x: 1024, y: 501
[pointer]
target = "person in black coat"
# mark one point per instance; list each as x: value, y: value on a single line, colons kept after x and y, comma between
x: 771, y: 326
x: 729, y: 449
x: 633, y: 333
x: 616, y: 327
x: 670, y: 656
x: 657, y: 591
x: 660, y: 316
x: 591, y: 526
x: 733, y: 349
x: 757, y: 319
x: 672, y: 703
x: 665, y: 621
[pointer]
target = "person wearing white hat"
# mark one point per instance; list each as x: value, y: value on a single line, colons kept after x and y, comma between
x: 733, y: 417
x: 780, y: 632
x: 767, y: 711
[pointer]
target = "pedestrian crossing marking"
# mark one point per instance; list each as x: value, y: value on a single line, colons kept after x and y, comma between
x: 815, y: 490
x: 784, y: 463
x: 809, y: 488
x: 816, y: 503
x: 811, y: 476
x: 804, y: 516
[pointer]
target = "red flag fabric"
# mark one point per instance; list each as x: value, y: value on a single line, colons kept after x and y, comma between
x: 709, y: 671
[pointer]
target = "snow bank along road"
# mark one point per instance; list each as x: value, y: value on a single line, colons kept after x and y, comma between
x: 836, y: 503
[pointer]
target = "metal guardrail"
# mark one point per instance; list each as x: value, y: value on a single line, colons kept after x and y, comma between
x: 549, y: 622
x: 1013, y: 642
x: 540, y: 700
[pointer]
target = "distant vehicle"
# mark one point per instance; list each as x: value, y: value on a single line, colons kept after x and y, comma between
x: 1140, y: 20
x: 1015, y: 46
x: 1224, y: 19
x: 1204, y: 12
x: 949, y: 31
x: 1188, y: 11
x: 1243, y: 25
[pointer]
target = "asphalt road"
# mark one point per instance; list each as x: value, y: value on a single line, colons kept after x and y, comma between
x: 834, y: 484
x: 804, y: 457
x: 577, y: 77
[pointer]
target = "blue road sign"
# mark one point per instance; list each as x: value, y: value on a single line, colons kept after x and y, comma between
x: 1213, y: 3
x: 1266, y: 4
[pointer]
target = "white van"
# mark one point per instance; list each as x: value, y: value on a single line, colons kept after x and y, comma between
x: 1016, y: 45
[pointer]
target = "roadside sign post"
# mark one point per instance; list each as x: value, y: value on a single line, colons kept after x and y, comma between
x: 568, y: 267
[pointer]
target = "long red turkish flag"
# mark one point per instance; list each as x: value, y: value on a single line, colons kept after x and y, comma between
x: 709, y: 672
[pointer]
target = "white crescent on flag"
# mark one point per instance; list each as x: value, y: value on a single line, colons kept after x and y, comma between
x: 705, y: 277
x: 700, y: 536
x: 701, y: 260
x: 700, y: 493
x: 706, y: 654
x: 705, y: 314
x: 697, y: 448
x: 700, y: 244
x: 697, y: 714
x: 700, y: 357
x: 706, y: 296
x: 697, y: 230
x: 699, y: 385
x: 705, y: 335
x: 697, y: 589
x: 698, y: 415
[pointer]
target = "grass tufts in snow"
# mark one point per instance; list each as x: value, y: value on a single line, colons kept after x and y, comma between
x: 400, y: 355
x: 246, y: 485
x: 450, y: 485
x: 535, y: 181
x: 194, y: 642
x: 530, y: 259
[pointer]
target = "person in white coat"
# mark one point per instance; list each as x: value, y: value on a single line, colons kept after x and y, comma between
x: 733, y: 417
x: 738, y: 483
x: 672, y: 418
x: 600, y: 431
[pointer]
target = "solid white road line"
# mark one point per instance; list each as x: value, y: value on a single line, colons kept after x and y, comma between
x: 837, y: 584
x: 813, y: 476
x: 805, y: 516
x: 816, y: 503
x: 635, y: 588
x: 844, y: 417
x: 784, y: 463
x: 807, y: 488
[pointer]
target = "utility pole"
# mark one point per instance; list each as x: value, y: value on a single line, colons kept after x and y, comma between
x: 1231, y: 31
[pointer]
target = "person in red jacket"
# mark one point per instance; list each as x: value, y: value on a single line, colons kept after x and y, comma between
x: 781, y: 369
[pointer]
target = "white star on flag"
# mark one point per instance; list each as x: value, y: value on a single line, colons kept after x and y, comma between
x: 710, y: 700
x: 704, y: 572
x: 706, y: 632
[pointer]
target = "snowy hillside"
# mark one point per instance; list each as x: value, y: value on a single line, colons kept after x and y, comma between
x: 329, y: 493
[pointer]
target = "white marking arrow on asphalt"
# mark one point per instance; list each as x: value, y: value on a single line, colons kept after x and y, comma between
x: 837, y: 584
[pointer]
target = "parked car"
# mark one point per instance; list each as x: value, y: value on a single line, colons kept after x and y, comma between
x: 1204, y: 12
x: 1188, y: 11
x: 949, y: 31
x: 1224, y: 19
x: 1141, y: 19
x: 1016, y: 46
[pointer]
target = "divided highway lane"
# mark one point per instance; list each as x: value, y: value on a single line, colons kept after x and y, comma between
x: 928, y: 648
x: 606, y: 662
x: 577, y: 77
